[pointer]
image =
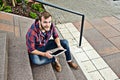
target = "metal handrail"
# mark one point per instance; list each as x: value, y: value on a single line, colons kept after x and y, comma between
x: 67, y: 10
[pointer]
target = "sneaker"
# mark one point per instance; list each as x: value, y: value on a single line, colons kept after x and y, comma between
x: 73, y: 65
x: 58, y: 66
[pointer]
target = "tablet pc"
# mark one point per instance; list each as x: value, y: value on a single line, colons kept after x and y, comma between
x: 58, y: 52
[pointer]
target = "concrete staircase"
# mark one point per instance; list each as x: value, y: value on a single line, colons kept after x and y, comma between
x: 14, y: 60
x: 16, y: 64
x: 3, y: 56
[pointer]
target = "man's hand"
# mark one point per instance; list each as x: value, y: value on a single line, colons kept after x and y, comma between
x: 48, y: 54
x: 60, y: 47
x: 31, y: 0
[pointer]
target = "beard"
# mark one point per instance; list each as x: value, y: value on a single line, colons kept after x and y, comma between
x: 46, y: 28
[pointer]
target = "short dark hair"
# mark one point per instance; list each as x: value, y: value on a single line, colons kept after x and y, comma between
x: 45, y: 14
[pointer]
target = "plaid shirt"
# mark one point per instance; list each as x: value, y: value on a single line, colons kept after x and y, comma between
x: 36, y: 38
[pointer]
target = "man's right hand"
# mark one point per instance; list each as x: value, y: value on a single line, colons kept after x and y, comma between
x: 48, y: 54
x: 31, y: 0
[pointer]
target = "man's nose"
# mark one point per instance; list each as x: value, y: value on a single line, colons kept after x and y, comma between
x: 47, y: 24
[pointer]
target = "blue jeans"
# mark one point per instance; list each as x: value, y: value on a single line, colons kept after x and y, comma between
x: 40, y: 60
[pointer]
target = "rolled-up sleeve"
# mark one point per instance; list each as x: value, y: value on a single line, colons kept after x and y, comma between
x: 55, y: 34
x: 30, y: 42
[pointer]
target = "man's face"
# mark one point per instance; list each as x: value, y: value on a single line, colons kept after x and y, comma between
x: 46, y: 23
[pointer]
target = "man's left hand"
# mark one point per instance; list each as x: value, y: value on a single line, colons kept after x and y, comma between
x: 60, y: 47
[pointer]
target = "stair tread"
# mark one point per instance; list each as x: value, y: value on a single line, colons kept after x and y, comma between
x: 79, y: 75
x: 18, y: 61
x: 44, y: 72
x: 66, y: 73
x: 3, y: 56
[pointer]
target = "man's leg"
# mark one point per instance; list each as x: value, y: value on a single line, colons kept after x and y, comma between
x: 51, y: 45
x: 40, y: 60
x: 65, y: 45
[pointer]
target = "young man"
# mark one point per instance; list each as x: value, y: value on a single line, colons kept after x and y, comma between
x: 38, y: 43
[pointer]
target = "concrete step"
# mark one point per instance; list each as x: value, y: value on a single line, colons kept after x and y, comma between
x: 79, y: 75
x: 18, y: 60
x: 66, y: 73
x: 3, y: 56
x: 44, y: 72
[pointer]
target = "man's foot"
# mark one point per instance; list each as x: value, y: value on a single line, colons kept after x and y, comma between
x: 73, y: 65
x: 58, y: 66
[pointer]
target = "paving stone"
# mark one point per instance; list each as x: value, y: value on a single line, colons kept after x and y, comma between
x: 84, y: 40
x: 100, y: 43
x: 81, y: 56
x: 106, y: 29
x: 108, y: 74
x: 98, y: 23
x: 100, y: 63
x: 72, y: 42
x: 115, y: 41
x: 86, y: 47
x: 104, y: 47
x: 117, y: 27
x: 71, y: 27
x: 109, y: 32
x: 3, y: 56
x: 82, y: 67
x: 75, y: 34
x: 89, y: 66
x: 117, y: 16
x: 87, y: 25
x: 76, y: 49
x: 60, y: 26
x: 114, y: 62
x: 93, y: 35
x: 92, y: 54
x: 111, y: 20
x: 63, y: 31
x: 96, y: 75
x: 67, y: 36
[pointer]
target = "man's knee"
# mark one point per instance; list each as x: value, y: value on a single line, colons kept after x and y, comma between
x: 64, y: 42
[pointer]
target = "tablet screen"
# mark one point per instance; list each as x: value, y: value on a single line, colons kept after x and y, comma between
x: 57, y: 52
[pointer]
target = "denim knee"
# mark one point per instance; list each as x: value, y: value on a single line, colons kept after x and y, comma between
x: 64, y: 43
x: 39, y: 60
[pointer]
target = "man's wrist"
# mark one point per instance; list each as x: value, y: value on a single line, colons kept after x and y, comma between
x: 59, y: 45
x: 44, y: 55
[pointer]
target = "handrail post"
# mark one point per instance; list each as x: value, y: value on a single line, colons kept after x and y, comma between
x: 81, y: 30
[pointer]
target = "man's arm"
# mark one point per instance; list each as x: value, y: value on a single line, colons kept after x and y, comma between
x: 45, y: 54
x: 57, y: 41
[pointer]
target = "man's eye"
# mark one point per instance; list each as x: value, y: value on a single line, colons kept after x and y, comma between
x: 47, y: 22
